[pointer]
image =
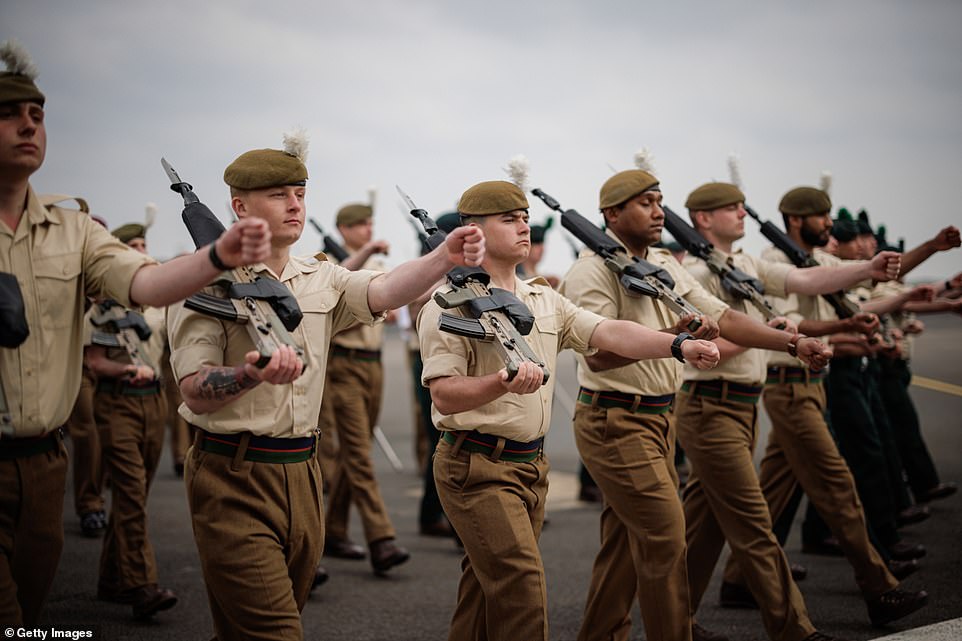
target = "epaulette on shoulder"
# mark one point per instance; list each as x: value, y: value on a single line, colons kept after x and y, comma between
x: 663, y: 251
x: 321, y: 257
x: 51, y: 200
x: 538, y: 280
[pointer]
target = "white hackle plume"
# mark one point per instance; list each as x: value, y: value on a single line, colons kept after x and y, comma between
x: 371, y: 195
x: 517, y: 171
x: 645, y: 161
x: 295, y: 143
x: 734, y: 171
x: 150, y: 215
x: 17, y: 59
x: 825, y: 182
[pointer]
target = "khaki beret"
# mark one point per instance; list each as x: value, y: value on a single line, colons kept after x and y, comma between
x: 353, y: 214
x: 15, y: 87
x: 624, y: 186
x: 714, y: 195
x: 126, y: 233
x: 492, y: 197
x: 263, y: 168
x: 805, y: 201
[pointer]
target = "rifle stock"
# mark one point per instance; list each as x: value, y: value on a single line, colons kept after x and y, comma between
x: 126, y: 329
x: 266, y: 307
x: 638, y: 277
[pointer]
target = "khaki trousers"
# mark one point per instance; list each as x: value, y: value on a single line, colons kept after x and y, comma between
x: 631, y: 457
x: 132, y: 436
x: 327, y: 443
x: 259, y: 535
x: 88, y: 471
x: 801, y: 451
x: 497, y: 508
x: 31, y: 533
x: 355, y: 390
x: 723, y: 501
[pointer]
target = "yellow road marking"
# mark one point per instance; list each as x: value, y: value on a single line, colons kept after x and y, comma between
x: 938, y: 386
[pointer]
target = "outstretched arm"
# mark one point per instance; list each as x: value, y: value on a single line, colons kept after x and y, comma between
x: 246, y: 242
x: 826, y: 279
x: 407, y: 281
x: 947, y: 238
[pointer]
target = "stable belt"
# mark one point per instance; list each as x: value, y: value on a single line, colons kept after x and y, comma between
x: 495, y: 446
x: 118, y: 386
x: 724, y: 390
x: 635, y: 403
x: 782, y: 375
x: 13, y: 447
x: 369, y: 355
x: 261, y: 449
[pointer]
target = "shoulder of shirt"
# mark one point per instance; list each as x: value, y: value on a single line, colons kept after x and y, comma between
x: 537, y: 280
x: 51, y: 201
x: 660, y: 252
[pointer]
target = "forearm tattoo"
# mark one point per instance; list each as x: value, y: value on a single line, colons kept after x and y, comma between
x: 221, y: 383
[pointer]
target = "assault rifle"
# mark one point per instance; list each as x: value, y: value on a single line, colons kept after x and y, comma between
x: 842, y: 304
x: 638, y: 277
x: 491, y: 315
x: 734, y: 281
x: 123, y: 328
x: 331, y: 246
x: 13, y: 332
x: 265, y: 306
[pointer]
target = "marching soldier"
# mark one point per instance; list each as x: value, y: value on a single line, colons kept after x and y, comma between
x: 130, y: 410
x: 60, y: 257
x: 801, y: 450
x: 355, y: 383
x: 490, y: 468
x: 253, y: 482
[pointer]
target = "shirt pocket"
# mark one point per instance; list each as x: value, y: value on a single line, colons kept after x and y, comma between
x: 548, y: 330
x: 58, y: 288
x: 317, y: 308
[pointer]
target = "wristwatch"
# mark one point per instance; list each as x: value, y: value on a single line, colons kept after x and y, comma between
x: 676, y: 345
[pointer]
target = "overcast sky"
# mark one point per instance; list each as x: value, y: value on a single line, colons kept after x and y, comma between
x: 436, y: 96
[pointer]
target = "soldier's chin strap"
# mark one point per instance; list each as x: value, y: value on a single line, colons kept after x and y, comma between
x: 275, y: 293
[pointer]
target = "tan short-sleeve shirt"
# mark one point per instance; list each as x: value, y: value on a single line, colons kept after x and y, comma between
x: 558, y: 325
x: 593, y: 286
x: 363, y: 336
x: 749, y: 367
x: 59, y: 256
x: 331, y: 299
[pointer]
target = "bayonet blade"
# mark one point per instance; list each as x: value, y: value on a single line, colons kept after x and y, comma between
x: 426, y: 221
x: 171, y: 172
x: 407, y: 199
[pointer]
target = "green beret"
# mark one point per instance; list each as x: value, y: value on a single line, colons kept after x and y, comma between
x: 624, y: 186
x: 864, y: 227
x: 714, y: 195
x: 353, y: 214
x: 16, y: 87
x: 538, y: 231
x: 126, y: 233
x: 844, y: 229
x: 492, y: 197
x: 449, y: 222
x: 805, y: 201
x: 263, y: 168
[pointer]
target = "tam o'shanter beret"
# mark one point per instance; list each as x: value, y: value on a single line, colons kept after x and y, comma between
x: 714, y: 195
x: 624, y: 186
x: 538, y: 231
x: 448, y: 222
x: 126, y: 233
x: 844, y: 229
x: 864, y: 227
x: 353, y: 214
x: 492, y: 197
x: 17, y: 82
x: 805, y: 201
x: 263, y: 168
